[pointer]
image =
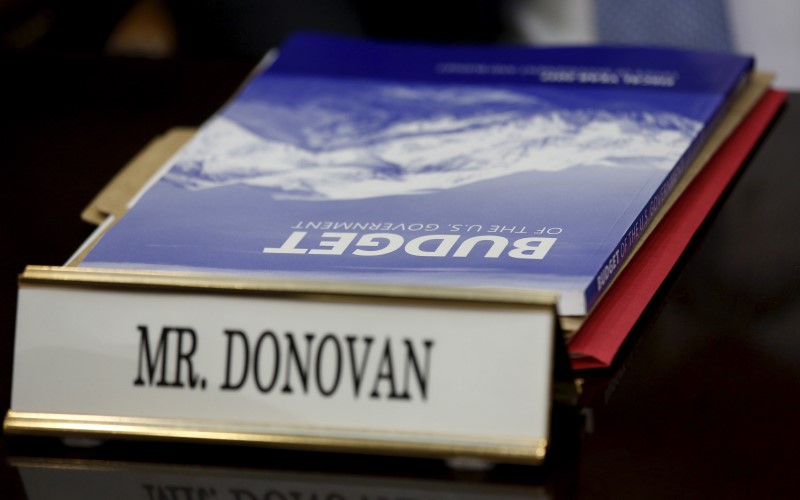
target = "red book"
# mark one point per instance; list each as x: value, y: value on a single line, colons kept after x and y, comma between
x: 597, y: 341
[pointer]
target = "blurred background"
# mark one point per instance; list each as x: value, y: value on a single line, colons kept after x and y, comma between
x: 86, y: 84
x: 246, y: 29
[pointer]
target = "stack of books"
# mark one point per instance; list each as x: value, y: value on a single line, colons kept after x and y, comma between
x: 375, y: 248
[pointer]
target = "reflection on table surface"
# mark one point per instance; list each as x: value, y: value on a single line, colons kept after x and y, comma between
x: 48, y: 469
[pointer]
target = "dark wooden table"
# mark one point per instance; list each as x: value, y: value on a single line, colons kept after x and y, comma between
x: 701, y: 402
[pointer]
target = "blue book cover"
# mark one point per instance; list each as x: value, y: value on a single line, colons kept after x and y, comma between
x: 355, y: 160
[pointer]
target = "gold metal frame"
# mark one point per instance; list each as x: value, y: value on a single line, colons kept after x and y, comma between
x: 300, y: 289
x: 518, y: 451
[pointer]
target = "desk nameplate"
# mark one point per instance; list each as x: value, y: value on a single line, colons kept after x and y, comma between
x: 349, y: 371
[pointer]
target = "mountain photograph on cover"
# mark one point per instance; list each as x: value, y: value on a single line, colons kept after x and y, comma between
x: 338, y: 140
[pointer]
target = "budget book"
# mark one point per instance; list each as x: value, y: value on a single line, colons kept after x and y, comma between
x: 457, y: 166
